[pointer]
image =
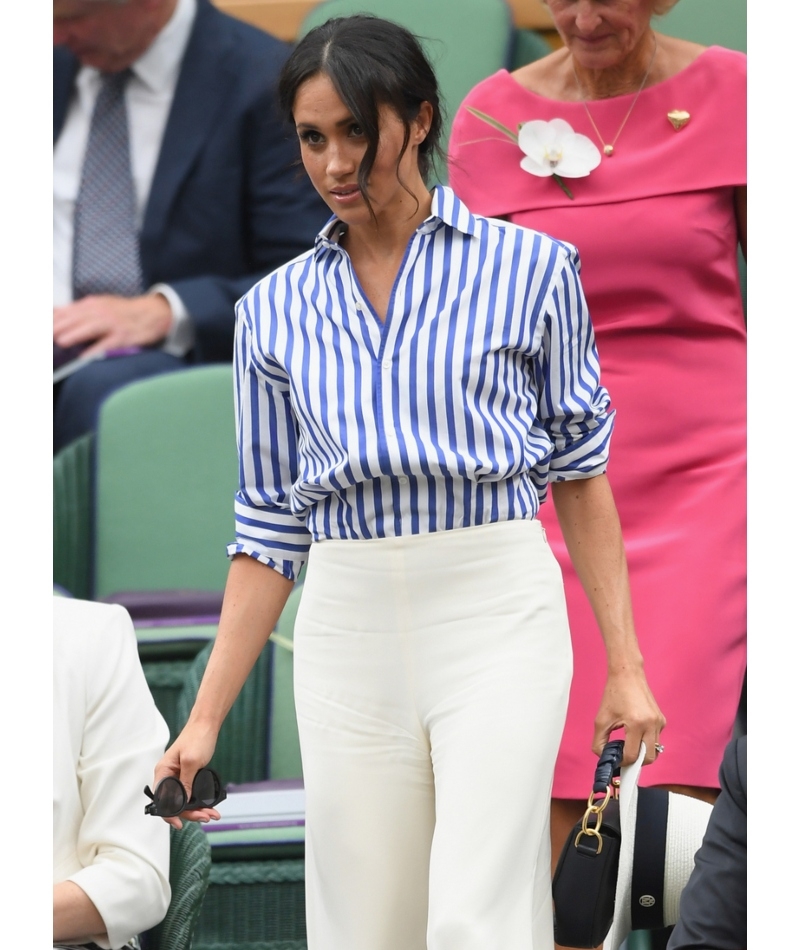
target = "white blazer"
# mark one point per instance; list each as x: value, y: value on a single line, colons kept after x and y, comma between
x: 107, y: 737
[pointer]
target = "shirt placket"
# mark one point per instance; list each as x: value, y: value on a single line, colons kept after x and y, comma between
x: 391, y: 371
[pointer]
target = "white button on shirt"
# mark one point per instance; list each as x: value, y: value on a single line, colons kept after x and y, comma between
x: 148, y: 97
x: 481, y: 385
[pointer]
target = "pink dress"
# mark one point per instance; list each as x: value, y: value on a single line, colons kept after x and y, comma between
x: 656, y: 231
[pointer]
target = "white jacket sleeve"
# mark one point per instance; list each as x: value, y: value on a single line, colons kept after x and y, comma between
x: 122, y: 854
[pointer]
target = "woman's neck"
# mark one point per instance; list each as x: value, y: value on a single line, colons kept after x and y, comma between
x: 387, y: 237
x: 623, y: 79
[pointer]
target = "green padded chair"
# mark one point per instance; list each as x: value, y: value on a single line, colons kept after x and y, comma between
x: 466, y: 40
x: 160, y: 511
x: 189, y: 871
x: 147, y: 505
x: 166, y: 474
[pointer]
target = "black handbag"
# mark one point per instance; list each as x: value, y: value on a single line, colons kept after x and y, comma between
x: 586, y: 876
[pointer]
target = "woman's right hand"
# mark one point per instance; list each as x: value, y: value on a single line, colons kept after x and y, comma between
x: 188, y: 753
x: 255, y: 595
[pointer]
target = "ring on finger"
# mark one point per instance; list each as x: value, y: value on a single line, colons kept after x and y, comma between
x: 659, y: 748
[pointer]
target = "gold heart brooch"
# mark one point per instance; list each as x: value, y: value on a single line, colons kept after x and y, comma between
x: 678, y: 118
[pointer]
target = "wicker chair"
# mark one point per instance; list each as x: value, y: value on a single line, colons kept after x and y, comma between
x: 254, y: 905
x: 189, y: 869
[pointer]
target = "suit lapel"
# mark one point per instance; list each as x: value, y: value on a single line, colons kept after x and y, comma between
x: 203, y: 85
x: 65, y: 69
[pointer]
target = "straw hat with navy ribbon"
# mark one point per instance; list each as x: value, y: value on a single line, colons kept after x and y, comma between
x: 661, y: 831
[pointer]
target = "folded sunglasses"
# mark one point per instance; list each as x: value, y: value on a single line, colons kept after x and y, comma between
x: 169, y: 799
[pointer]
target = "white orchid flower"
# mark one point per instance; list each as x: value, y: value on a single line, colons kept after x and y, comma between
x: 553, y: 148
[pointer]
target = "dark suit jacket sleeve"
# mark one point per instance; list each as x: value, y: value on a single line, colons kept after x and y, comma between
x: 713, y: 909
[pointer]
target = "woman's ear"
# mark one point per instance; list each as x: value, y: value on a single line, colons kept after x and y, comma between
x: 422, y: 123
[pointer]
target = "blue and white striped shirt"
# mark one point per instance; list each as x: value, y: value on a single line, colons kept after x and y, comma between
x: 481, y: 385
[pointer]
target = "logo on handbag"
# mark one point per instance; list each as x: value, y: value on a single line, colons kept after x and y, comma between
x: 647, y: 900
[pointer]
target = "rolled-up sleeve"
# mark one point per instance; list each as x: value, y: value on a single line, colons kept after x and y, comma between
x: 573, y: 405
x: 266, y: 527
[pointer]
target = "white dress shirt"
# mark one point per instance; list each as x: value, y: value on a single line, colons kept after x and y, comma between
x: 148, y: 96
x: 107, y: 738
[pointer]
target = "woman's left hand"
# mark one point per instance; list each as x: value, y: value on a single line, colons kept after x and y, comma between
x: 629, y: 704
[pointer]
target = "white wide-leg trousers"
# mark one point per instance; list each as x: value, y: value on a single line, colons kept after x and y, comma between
x: 431, y: 679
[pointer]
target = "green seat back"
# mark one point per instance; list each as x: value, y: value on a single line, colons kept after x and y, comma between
x: 710, y: 22
x: 466, y: 40
x: 166, y: 474
x: 189, y: 870
x: 72, y: 523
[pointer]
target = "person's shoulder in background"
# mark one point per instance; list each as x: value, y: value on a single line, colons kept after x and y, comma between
x: 107, y: 738
x: 713, y: 908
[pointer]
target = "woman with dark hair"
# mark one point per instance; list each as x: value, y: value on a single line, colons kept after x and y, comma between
x: 406, y: 391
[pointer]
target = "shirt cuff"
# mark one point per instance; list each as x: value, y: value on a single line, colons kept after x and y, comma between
x: 286, y: 567
x: 271, y: 534
x: 587, y: 456
x: 180, y: 338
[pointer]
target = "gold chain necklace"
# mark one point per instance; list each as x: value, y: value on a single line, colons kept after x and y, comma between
x: 608, y: 149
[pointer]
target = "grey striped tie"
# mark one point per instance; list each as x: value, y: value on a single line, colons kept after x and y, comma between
x: 105, y: 250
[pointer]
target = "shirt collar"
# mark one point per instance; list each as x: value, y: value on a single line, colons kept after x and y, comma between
x: 446, y: 208
x: 159, y: 65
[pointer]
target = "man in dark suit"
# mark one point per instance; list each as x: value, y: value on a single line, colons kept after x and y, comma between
x: 713, y: 908
x: 216, y: 192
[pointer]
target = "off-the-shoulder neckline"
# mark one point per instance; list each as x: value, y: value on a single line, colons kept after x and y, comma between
x: 658, y: 85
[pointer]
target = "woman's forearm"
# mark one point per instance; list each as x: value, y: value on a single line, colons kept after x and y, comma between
x: 255, y: 595
x: 590, y: 525
x: 75, y: 918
